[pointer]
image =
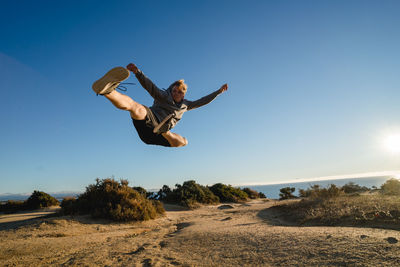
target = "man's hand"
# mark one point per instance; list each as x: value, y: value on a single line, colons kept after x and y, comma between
x: 132, y: 67
x: 223, y: 88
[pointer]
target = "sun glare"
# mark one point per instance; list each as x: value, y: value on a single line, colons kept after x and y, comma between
x: 392, y: 143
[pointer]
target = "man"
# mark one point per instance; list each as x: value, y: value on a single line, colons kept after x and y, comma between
x: 152, y: 124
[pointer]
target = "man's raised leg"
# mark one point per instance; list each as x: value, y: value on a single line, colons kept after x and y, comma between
x: 175, y: 140
x: 124, y: 102
x: 138, y: 112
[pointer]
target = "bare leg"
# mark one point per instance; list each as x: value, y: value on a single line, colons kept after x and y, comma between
x: 124, y: 102
x: 174, y: 139
x: 138, y: 112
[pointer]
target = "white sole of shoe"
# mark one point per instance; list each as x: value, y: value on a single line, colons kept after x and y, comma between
x: 110, y: 79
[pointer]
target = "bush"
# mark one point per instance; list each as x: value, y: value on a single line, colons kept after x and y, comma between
x: 189, y: 194
x: 316, y: 192
x: 261, y: 195
x: 68, y: 205
x: 391, y: 187
x: 228, y: 193
x: 351, y: 188
x: 12, y: 206
x: 164, y: 193
x: 113, y: 200
x: 286, y: 193
x: 39, y: 200
x: 252, y: 194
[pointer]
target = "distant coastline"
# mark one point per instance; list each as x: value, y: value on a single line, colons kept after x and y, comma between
x: 272, y: 190
x: 21, y: 197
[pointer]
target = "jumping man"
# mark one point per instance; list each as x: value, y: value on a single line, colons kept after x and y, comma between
x: 154, y: 123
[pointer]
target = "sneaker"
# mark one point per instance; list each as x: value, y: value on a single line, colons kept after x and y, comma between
x: 110, y: 80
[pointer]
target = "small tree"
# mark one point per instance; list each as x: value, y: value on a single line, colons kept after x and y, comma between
x: 228, y: 193
x: 251, y: 193
x: 261, y: 195
x: 189, y: 194
x: 351, y: 187
x: 391, y: 187
x: 68, y: 205
x: 317, y: 193
x: 40, y: 199
x: 114, y: 200
x: 164, y: 193
x: 286, y: 193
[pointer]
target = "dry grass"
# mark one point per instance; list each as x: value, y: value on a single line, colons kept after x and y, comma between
x: 372, y: 210
x: 248, y: 234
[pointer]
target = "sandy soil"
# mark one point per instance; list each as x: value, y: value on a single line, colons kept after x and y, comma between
x: 26, y: 215
x: 233, y: 235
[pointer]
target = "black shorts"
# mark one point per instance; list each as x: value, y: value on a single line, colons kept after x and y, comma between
x: 145, y: 132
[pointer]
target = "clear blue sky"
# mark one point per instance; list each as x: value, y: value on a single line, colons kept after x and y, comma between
x: 313, y: 90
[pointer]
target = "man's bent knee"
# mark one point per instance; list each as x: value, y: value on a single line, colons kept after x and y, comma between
x: 175, y: 140
x: 186, y: 142
x: 138, y: 112
x: 180, y: 143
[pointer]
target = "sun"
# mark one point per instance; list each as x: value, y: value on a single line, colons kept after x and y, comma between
x: 392, y: 143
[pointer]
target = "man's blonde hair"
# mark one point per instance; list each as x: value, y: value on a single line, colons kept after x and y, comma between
x: 180, y: 85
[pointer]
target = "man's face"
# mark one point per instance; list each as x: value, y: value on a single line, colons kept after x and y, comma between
x: 177, y: 95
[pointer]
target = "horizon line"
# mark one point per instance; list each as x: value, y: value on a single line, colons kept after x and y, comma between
x: 395, y: 174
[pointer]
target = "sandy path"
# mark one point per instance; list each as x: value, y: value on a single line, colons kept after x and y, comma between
x: 245, y: 235
x: 27, y: 215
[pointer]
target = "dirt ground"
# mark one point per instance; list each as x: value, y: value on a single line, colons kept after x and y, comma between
x: 225, y: 235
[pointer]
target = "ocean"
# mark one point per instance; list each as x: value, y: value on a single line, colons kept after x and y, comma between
x: 272, y: 190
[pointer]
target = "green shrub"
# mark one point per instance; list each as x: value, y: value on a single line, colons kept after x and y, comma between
x: 304, y: 193
x: 351, y: 188
x: 141, y: 190
x: 164, y: 193
x: 261, y: 195
x: 316, y: 192
x: 189, y: 194
x: 12, y: 206
x: 113, y: 200
x: 68, y: 205
x: 39, y: 200
x: 228, y: 193
x: 252, y: 194
x: 391, y: 187
x: 286, y: 193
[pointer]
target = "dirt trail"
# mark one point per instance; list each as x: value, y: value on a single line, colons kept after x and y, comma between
x: 26, y: 215
x: 239, y: 235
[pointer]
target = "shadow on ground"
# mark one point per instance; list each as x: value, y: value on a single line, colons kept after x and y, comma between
x: 36, y: 218
x: 275, y: 217
x: 17, y: 220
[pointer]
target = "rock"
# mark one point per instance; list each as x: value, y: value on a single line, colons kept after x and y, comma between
x: 363, y: 236
x: 392, y: 240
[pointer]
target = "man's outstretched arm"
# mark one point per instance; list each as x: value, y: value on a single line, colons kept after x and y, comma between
x: 207, y: 99
x: 147, y: 84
